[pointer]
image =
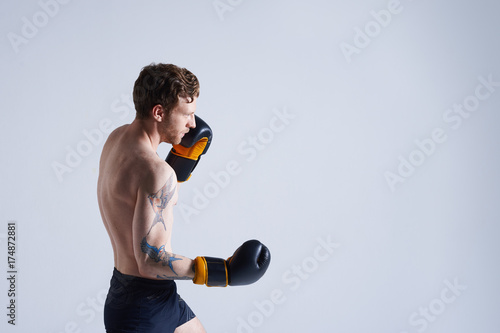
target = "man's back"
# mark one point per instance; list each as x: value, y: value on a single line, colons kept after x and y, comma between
x: 127, y: 162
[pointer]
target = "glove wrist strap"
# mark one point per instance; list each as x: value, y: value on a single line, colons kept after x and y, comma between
x: 211, y: 271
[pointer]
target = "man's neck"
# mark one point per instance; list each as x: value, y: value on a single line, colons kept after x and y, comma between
x: 147, y: 132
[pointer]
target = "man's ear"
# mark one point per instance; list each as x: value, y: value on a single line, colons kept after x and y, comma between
x: 158, y: 113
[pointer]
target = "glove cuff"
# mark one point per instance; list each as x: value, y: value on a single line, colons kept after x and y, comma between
x: 200, y: 270
x: 210, y: 271
x: 182, y: 166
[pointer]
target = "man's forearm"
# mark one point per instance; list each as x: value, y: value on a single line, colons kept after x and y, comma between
x: 160, y: 264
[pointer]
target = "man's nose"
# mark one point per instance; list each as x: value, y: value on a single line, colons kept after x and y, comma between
x: 192, y: 122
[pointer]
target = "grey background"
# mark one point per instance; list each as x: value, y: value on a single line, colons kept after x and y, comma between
x: 320, y: 178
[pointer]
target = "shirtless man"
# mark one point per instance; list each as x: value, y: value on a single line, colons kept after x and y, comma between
x: 137, y: 191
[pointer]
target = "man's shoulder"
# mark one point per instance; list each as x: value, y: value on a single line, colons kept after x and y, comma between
x: 116, y: 133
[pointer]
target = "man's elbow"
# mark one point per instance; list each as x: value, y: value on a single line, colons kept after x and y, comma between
x: 144, y: 268
x: 143, y: 259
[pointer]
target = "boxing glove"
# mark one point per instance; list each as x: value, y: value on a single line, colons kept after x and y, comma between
x: 247, y: 265
x: 184, y: 157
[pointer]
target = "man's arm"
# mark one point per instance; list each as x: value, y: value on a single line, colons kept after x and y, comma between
x: 153, y: 217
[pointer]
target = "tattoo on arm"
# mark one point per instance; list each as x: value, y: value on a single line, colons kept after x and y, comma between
x: 159, y: 255
x: 166, y: 277
x: 160, y: 200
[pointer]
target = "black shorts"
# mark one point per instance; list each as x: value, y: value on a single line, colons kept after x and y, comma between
x: 137, y: 304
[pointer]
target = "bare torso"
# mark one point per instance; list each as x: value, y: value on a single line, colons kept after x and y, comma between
x: 126, y: 161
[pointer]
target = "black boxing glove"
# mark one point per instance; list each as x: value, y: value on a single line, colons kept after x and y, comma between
x: 247, y: 265
x: 184, y: 157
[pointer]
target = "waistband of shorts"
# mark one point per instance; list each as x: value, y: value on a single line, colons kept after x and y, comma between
x: 140, y: 281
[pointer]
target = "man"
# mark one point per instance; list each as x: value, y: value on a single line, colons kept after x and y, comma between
x: 137, y: 191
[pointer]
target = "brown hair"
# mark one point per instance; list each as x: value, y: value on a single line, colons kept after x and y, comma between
x: 163, y: 84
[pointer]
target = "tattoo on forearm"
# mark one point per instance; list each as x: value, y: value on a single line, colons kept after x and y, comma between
x: 160, y: 200
x: 159, y: 254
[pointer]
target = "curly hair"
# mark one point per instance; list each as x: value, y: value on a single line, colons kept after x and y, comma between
x: 163, y: 84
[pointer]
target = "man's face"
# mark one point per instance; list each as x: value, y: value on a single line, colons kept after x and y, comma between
x: 180, y: 121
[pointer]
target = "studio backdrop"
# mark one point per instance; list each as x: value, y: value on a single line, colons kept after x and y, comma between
x: 358, y: 140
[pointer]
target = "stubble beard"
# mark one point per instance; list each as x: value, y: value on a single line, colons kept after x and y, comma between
x: 170, y: 134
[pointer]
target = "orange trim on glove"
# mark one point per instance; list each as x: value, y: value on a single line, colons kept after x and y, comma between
x: 200, y: 270
x: 193, y: 152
